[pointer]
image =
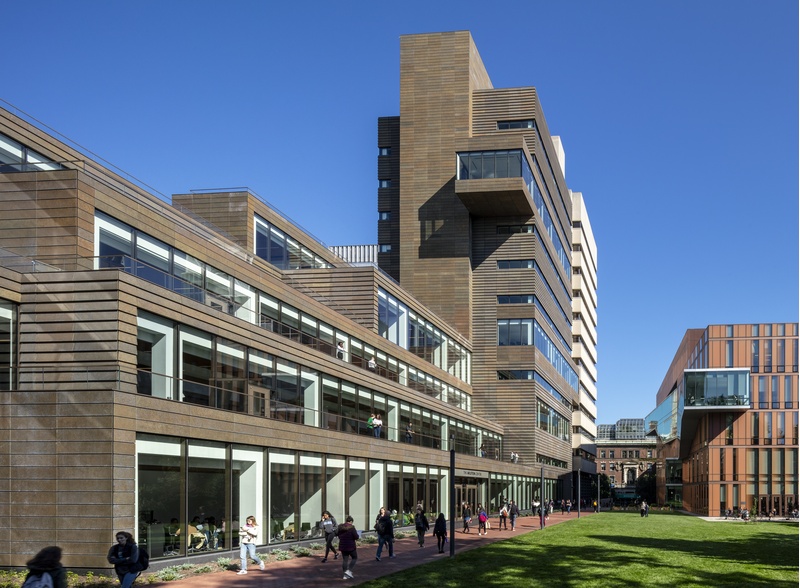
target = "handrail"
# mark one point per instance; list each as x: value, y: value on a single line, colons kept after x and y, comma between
x: 228, y: 305
x: 240, y: 395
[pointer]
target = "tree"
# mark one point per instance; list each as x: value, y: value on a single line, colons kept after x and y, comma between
x: 605, y: 487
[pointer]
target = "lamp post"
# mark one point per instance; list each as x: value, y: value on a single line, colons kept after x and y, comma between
x: 598, y: 491
x: 541, y: 501
x: 579, y: 492
x: 452, y: 495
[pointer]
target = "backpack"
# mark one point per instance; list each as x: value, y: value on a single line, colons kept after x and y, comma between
x: 144, y: 559
x: 380, y: 527
x: 43, y: 581
x: 482, y: 517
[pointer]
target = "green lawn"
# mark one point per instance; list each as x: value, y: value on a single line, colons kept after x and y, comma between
x: 623, y: 549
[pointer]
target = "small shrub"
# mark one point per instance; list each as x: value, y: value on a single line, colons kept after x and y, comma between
x: 168, y: 574
x: 316, y: 546
x: 224, y: 562
x: 281, y: 554
x: 301, y: 551
x: 205, y: 569
x: 368, y: 539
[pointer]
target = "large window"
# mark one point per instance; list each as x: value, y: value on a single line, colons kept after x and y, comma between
x: 282, y: 495
x: 515, y: 332
x: 16, y: 157
x: 8, y: 334
x: 281, y: 250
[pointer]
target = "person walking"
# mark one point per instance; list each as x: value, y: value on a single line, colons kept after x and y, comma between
x: 466, y: 514
x: 503, y: 524
x: 330, y: 528
x: 377, y: 425
x: 348, y: 535
x: 440, y: 532
x: 248, y: 535
x: 47, y: 561
x: 385, y: 530
x: 421, y: 524
x: 124, y: 555
x: 482, y: 518
x: 513, y: 513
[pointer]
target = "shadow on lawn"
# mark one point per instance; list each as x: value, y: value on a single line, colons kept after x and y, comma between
x: 609, y: 560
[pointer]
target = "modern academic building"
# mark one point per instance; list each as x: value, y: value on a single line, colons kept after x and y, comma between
x: 477, y: 222
x: 195, y: 356
x: 726, y: 421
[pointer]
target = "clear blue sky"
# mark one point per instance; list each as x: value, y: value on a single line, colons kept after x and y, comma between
x: 679, y: 119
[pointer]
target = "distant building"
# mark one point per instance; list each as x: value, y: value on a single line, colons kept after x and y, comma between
x: 625, y: 452
x: 727, y: 420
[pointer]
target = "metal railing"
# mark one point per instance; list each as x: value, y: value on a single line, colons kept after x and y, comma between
x: 239, y: 395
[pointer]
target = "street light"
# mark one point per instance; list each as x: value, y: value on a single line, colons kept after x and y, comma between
x: 541, y: 501
x: 579, y: 492
x: 598, y: 492
x: 452, y: 496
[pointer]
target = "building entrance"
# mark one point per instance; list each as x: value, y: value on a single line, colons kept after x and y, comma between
x: 466, y: 493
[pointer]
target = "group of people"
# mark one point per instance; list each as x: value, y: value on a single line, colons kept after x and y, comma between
x: 644, y: 508
x: 508, y: 512
x: 375, y: 424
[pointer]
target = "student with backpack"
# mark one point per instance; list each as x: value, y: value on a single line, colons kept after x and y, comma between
x: 45, y: 570
x: 128, y: 559
x: 503, y: 523
x: 385, y: 530
x: 482, y: 518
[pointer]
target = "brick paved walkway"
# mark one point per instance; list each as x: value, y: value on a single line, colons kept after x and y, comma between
x: 302, y: 571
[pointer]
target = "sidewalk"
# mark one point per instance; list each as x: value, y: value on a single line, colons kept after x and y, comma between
x: 301, y: 571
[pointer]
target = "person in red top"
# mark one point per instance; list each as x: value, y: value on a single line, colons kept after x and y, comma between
x: 348, y: 535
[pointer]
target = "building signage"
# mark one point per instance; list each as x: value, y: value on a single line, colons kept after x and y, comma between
x: 471, y: 474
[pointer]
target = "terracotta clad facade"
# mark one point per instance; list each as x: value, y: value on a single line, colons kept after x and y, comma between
x: 455, y: 235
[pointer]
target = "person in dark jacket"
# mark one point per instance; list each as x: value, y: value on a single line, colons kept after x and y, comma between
x: 125, y: 557
x: 48, y: 561
x: 466, y: 513
x: 385, y: 530
x: 421, y: 524
x: 348, y: 535
x: 440, y: 531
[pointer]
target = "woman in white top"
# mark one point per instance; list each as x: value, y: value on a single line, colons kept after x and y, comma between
x: 248, y: 535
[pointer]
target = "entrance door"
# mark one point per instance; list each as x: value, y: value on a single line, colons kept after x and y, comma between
x: 466, y: 493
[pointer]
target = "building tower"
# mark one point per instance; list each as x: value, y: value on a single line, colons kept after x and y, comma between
x: 475, y: 219
x: 584, y: 343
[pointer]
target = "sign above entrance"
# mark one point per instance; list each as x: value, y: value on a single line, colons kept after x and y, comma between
x: 471, y: 474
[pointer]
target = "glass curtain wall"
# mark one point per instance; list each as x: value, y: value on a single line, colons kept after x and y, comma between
x: 282, y: 495
x: 159, y: 492
x: 310, y: 496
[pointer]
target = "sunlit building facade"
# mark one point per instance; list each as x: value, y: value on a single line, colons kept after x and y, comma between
x: 201, y: 357
x: 476, y: 220
x: 727, y: 421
